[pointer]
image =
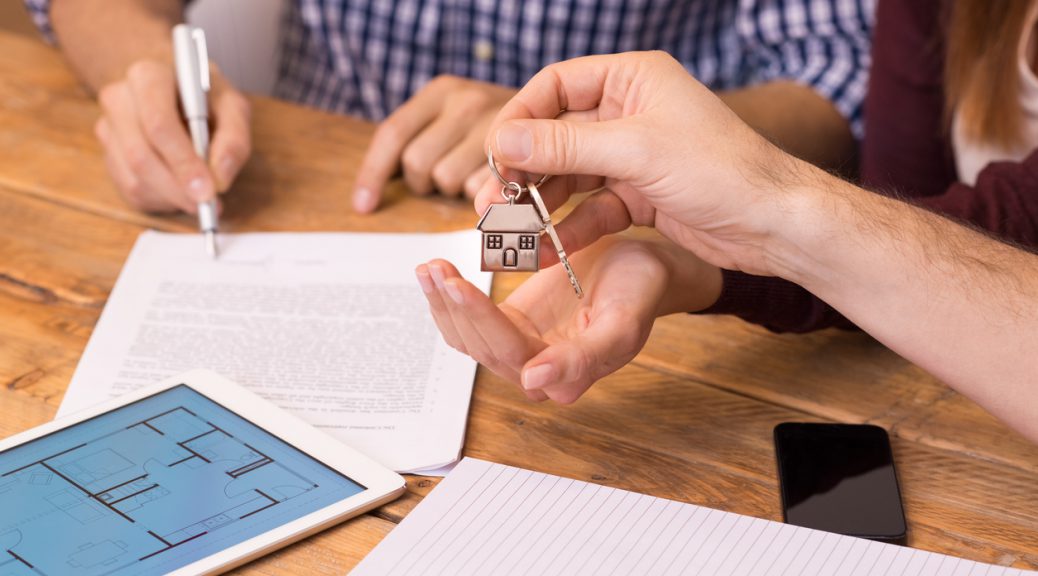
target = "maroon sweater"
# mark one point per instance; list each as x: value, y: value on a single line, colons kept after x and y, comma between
x: 906, y: 153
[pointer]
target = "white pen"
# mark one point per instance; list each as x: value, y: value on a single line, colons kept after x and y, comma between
x: 192, y: 63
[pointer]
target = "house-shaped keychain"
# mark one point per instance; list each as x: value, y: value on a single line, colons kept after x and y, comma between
x: 511, y: 237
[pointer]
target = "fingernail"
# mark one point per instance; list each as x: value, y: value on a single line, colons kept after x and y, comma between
x: 425, y: 281
x: 454, y: 292
x: 437, y: 275
x: 363, y: 199
x: 514, y: 142
x: 200, y: 189
x: 538, y: 376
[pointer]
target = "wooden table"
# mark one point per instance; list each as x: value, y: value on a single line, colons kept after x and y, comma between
x: 690, y: 419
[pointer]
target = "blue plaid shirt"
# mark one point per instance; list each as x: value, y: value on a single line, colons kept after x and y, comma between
x: 366, y: 57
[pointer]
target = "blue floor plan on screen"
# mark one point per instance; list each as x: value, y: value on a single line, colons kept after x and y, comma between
x: 151, y: 487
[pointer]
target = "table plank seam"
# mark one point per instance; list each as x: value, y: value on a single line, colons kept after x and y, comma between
x: 127, y: 217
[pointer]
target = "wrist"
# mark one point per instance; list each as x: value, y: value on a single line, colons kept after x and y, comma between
x: 691, y: 283
x: 807, y: 228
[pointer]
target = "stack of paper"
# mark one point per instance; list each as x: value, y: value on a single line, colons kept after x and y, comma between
x: 492, y: 519
x: 331, y: 326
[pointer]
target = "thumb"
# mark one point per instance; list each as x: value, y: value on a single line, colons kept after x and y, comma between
x: 566, y: 369
x: 565, y: 147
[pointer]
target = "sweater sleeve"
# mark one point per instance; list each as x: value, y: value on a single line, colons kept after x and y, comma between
x: 1004, y: 201
x: 905, y: 151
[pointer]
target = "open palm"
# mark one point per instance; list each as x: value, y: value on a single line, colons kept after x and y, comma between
x: 544, y: 338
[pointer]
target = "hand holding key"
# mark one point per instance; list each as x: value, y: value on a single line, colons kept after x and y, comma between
x: 664, y: 149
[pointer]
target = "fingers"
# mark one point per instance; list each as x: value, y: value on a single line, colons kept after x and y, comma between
x: 232, y: 137
x: 392, y: 136
x: 425, y: 151
x: 152, y: 183
x: 599, y: 215
x: 439, y: 309
x: 451, y: 288
x: 153, y: 88
x: 592, y: 82
x: 477, y: 180
x: 466, y: 160
x: 125, y: 180
x: 473, y: 324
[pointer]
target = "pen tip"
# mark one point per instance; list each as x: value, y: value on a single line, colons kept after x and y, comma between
x: 210, y: 244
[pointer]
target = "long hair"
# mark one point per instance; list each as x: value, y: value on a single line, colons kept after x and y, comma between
x: 982, y: 77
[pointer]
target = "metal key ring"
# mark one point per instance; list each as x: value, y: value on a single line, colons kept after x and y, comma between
x: 508, y: 183
x: 512, y: 198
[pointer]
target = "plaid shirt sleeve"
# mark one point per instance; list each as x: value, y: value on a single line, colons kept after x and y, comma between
x: 39, y: 10
x: 823, y: 44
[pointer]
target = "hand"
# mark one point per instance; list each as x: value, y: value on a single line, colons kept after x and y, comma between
x: 437, y: 136
x: 555, y: 345
x: 148, y: 150
x: 668, y: 152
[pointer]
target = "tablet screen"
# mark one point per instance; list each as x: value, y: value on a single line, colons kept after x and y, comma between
x: 151, y: 487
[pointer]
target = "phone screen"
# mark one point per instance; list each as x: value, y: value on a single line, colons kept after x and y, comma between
x: 839, y: 478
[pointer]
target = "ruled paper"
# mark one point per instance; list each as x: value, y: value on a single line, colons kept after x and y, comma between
x: 487, y: 518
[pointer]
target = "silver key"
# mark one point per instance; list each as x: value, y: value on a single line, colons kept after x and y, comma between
x: 546, y: 218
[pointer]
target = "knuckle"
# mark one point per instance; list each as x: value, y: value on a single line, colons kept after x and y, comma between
x: 563, y: 142
x: 237, y: 149
x: 156, y: 126
x: 486, y: 357
x: 415, y: 161
x: 389, y: 134
x: 133, y: 192
x: 444, y: 82
x: 109, y: 95
x: 474, y: 184
x: 513, y: 357
x: 137, y: 71
x: 137, y: 159
x: 472, y: 99
x: 447, y: 179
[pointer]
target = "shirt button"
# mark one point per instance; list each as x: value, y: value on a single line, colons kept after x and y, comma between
x: 483, y: 50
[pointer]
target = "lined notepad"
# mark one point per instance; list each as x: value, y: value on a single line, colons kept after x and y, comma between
x: 487, y: 518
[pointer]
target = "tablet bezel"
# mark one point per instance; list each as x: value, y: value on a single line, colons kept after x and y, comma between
x: 382, y: 485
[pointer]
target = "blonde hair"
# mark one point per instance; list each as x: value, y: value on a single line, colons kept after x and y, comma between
x: 982, y: 78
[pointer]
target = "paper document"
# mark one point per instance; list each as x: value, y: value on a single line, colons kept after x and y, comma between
x: 488, y: 518
x: 331, y: 326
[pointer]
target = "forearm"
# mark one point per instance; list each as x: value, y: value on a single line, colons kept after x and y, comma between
x: 101, y: 38
x: 798, y: 120
x: 959, y: 304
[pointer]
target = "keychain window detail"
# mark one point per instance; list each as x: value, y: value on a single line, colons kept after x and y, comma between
x: 494, y: 241
x: 527, y: 242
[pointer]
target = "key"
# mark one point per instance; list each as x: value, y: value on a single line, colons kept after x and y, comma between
x: 550, y: 228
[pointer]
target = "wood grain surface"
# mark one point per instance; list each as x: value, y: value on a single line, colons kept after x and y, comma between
x: 689, y: 419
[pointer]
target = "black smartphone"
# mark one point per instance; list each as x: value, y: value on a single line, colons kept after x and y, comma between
x: 840, y: 478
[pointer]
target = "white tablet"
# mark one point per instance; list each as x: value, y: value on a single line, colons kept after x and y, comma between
x: 194, y: 475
